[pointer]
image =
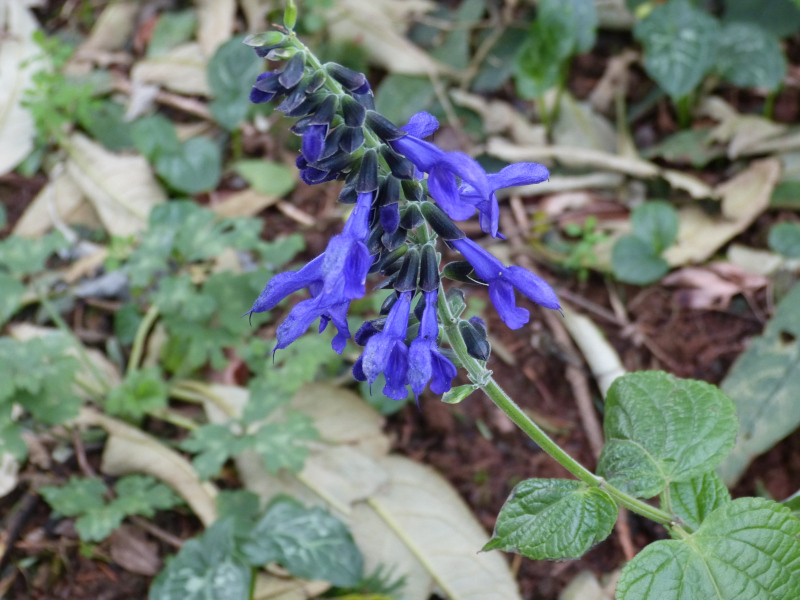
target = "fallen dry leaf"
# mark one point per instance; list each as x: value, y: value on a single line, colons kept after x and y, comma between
x: 744, y: 197
x: 742, y: 133
x: 182, y: 70
x: 714, y: 286
x: 113, y: 28
x: 132, y: 551
x: 215, y: 20
x: 17, y: 51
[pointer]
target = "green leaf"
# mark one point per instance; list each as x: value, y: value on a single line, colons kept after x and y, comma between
x: 308, y: 542
x: 553, y: 519
x: 179, y: 297
x: 3, y: 217
x: 400, y: 96
x: 276, y: 254
x: 214, y: 445
x: 23, y: 256
x: 77, y: 497
x: 576, y: 18
x: 779, y: 17
x: 266, y: 177
x: 634, y: 261
x: 748, y: 548
x: 661, y: 429
x: 266, y: 38
x: 748, y: 56
x: 11, y: 293
x: 282, y: 445
x: 655, y: 222
x: 680, y: 46
x: 106, y: 123
x: 498, y: 65
x: 240, y: 504
x: 793, y: 504
x: 10, y: 439
x: 197, y: 168
x: 697, y: 498
x: 236, y: 293
x: 206, y: 568
x: 142, y: 391
x: 231, y: 73
x: 172, y: 29
x: 457, y: 394
x: 763, y: 383
x: 784, y: 238
x: 155, y: 136
x: 143, y: 495
x: 127, y: 319
x: 689, y: 146
x: 99, y: 523
x: 538, y: 65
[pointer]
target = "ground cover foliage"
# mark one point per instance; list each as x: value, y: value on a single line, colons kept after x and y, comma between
x: 149, y: 445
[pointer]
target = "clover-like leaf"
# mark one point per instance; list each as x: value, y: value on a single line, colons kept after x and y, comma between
x: 213, y: 444
x: 76, y: 497
x: 680, y: 45
x: 143, y: 495
x: 281, y: 445
x: 553, y: 518
x: 308, y: 542
x: 142, y: 390
x: 661, y: 429
x: 746, y: 549
x: 748, y: 56
x: 206, y: 568
x: 697, y: 498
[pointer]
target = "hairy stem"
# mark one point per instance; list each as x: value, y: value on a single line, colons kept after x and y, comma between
x: 482, y: 377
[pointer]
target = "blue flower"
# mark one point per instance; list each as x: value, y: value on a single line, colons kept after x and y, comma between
x: 386, y: 352
x: 425, y: 361
x: 334, y: 279
x: 442, y: 167
x: 314, y: 142
x: 266, y: 87
x: 502, y: 281
x: 511, y: 176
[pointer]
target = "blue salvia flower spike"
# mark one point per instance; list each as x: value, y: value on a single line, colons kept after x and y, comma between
x: 425, y: 362
x: 386, y: 352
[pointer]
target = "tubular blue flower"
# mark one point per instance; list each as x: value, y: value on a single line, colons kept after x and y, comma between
x: 502, y: 280
x: 386, y: 352
x: 314, y: 142
x: 511, y: 176
x: 442, y: 167
x: 266, y: 87
x: 334, y: 279
x: 425, y: 362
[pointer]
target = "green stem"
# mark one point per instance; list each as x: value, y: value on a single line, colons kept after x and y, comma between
x: 544, y: 115
x: 482, y: 377
x: 684, y: 110
x: 769, y: 104
x: 141, y: 335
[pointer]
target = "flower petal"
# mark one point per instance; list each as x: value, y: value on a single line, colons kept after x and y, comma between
x: 357, y: 225
x: 533, y: 287
x: 287, y: 283
x: 444, y: 372
x: 422, y: 154
x: 314, y: 142
x: 299, y: 320
x: 468, y: 169
x: 396, y: 372
x: 338, y: 314
x: 518, y: 174
x: 421, y: 125
x: 486, y: 266
x: 442, y: 187
x: 355, y: 271
x: 420, y: 368
x: 501, y: 294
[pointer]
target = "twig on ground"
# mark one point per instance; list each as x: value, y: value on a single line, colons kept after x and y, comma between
x: 80, y: 454
x: 295, y: 213
x: 187, y: 105
x: 157, y: 532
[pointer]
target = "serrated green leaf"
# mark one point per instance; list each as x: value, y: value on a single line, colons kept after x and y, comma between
x: 196, y: 168
x: 697, y: 498
x: 11, y: 292
x: 206, y: 568
x: 763, y: 383
x: 634, y: 261
x: 748, y: 548
x: 142, y: 391
x: 779, y: 17
x: 308, y: 542
x: 655, y: 222
x: 172, y: 29
x: 99, y: 523
x: 266, y: 177
x: 553, y: 518
x: 179, y: 297
x: 231, y: 73
x: 76, y: 497
x: 143, y: 495
x: 748, y: 56
x: 264, y: 398
x: 680, y: 46
x: 213, y: 446
x: 784, y: 238
x: 127, y: 319
x: 10, y: 439
x: 23, y: 256
x: 276, y: 254
x: 282, y: 445
x: 660, y: 429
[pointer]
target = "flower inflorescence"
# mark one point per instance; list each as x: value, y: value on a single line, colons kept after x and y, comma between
x: 406, y: 193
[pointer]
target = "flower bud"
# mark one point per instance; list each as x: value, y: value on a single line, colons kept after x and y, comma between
x: 412, y: 217
x: 392, y: 241
x: 390, y: 217
x: 407, y: 277
x: 317, y: 81
x: 290, y: 15
x: 326, y: 110
x: 459, y: 270
x: 293, y: 71
x: 401, y: 167
x: 349, y: 79
x: 440, y: 222
x: 348, y: 195
x: 387, y: 305
x: 412, y: 190
x: 367, y: 180
x: 429, y: 274
x: 352, y: 138
x: 456, y: 301
x: 332, y: 142
x: 477, y: 346
x: 389, y: 192
x: 267, y: 38
x: 353, y: 112
x: 383, y: 127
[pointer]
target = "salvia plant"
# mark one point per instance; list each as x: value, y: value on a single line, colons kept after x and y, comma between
x: 664, y: 436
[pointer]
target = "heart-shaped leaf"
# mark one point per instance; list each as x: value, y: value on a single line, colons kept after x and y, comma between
x: 748, y: 548
x: 634, y: 261
x: 694, y: 500
x: 196, y: 168
x: 680, y: 44
x: 661, y: 429
x: 748, y: 56
x: 553, y: 518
